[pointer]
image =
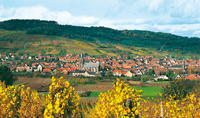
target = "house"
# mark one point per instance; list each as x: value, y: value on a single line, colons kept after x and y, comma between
x: 129, y: 74
x: 118, y: 57
x: 159, y: 71
x: 93, y: 67
x: 78, y: 73
x: 163, y: 77
x: 30, y: 57
x: 148, y: 56
x: 138, y: 72
x: 39, y: 68
x: 34, y: 64
x: 27, y: 68
x: 13, y: 68
x: 181, y: 76
x: 1, y: 55
x: 177, y: 67
x: 64, y: 72
x: 117, y: 72
x: 90, y: 74
x: 46, y: 70
x: 192, y: 77
x: 18, y: 69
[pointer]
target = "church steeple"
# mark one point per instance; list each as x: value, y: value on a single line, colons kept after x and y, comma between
x: 183, y: 64
x: 81, y: 61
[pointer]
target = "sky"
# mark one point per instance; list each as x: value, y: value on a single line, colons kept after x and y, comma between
x: 180, y: 17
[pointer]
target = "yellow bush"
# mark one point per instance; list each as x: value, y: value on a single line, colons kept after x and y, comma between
x: 114, y: 103
x: 17, y: 102
x: 61, y: 101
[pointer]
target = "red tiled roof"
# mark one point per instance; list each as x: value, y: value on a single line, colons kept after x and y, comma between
x: 46, y: 64
x: 33, y: 64
x: 73, y: 69
x: 51, y: 66
x: 192, y: 77
x: 13, y: 67
x: 61, y: 69
x: 46, y: 70
x: 148, y: 57
x: 19, y: 68
x: 119, y: 71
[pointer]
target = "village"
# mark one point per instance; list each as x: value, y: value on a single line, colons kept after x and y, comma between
x: 98, y: 66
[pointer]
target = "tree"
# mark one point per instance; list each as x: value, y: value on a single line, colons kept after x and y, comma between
x: 109, y: 73
x: 176, y: 89
x: 58, y: 64
x: 6, y: 75
x: 169, y: 73
x: 57, y: 59
x: 151, y: 72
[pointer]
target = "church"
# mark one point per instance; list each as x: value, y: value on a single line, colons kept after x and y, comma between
x: 92, y: 67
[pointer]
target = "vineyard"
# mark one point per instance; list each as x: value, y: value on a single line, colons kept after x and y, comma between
x: 121, y: 101
x: 20, y: 41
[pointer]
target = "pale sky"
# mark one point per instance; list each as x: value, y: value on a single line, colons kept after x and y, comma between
x: 180, y: 17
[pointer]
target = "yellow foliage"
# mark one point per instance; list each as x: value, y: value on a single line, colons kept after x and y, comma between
x: 46, y: 42
x: 188, y: 107
x: 15, y: 101
x: 61, y: 101
x: 114, y: 103
x: 33, y: 44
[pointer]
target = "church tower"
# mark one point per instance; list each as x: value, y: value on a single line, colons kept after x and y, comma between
x: 81, y: 61
x: 183, y: 64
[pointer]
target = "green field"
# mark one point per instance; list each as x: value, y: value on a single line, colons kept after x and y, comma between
x: 94, y: 94
x: 146, y: 92
x: 150, y: 91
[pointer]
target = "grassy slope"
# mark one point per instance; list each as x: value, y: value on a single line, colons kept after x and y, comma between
x: 45, y: 44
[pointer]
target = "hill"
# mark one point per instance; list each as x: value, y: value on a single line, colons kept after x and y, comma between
x: 49, y: 37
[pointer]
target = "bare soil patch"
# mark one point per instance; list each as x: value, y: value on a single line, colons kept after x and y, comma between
x: 99, y: 88
x: 39, y: 84
x: 103, y: 83
x: 137, y: 83
x: 92, y: 99
x: 157, y: 84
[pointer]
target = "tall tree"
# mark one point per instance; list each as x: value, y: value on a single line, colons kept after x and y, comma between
x: 6, y: 75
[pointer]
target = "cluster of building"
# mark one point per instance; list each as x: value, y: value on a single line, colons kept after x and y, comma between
x: 96, y: 66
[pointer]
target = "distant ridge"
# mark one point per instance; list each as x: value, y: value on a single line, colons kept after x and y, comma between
x: 101, y: 35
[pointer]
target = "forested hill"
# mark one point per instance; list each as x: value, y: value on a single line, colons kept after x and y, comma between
x: 148, y: 39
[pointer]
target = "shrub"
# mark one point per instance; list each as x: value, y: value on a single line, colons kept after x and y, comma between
x: 122, y: 101
x: 62, y: 101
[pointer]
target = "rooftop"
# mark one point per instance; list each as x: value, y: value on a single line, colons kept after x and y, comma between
x: 91, y: 65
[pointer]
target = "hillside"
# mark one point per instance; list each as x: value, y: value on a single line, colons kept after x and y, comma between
x: 48, y: 37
